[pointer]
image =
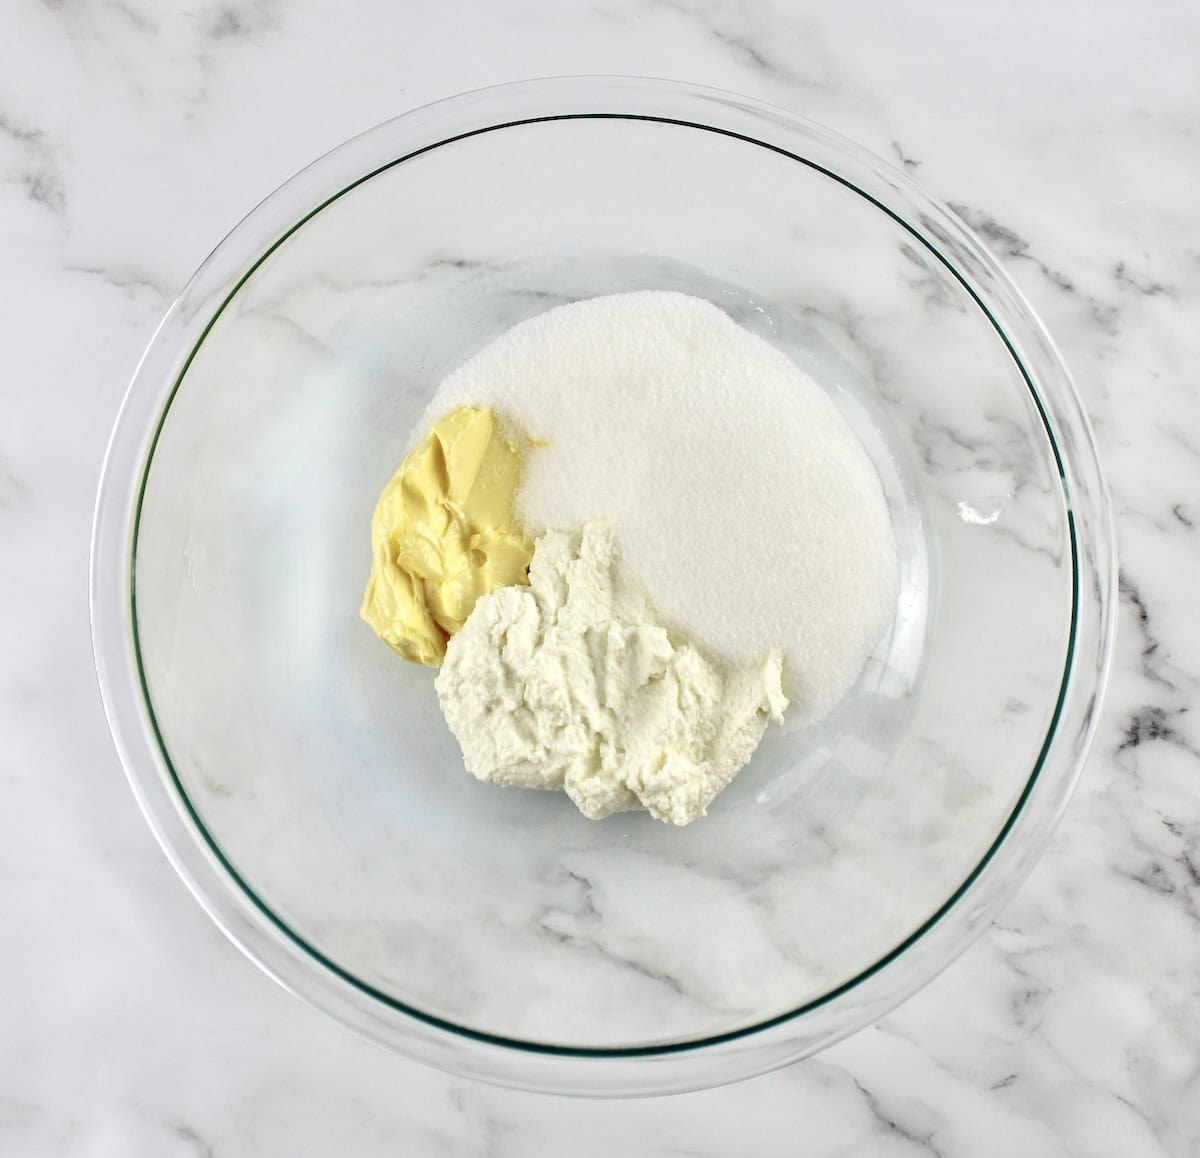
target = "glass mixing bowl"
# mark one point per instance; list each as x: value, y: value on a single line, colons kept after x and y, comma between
x: 300, y: 776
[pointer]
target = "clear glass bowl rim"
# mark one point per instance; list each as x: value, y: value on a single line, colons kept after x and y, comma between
x: 263, y: 936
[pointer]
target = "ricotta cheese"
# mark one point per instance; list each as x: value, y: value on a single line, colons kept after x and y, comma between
x: 572, y: 683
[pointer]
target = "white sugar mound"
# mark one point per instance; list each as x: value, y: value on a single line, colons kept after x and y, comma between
x: 745, y: 504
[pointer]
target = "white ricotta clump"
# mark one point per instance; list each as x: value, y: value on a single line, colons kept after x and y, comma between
x: 572, y: 683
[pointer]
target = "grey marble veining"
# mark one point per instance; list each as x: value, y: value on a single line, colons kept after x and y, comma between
x: 134, y: 134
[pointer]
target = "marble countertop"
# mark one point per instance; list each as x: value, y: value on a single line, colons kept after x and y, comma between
x: 134, y: 133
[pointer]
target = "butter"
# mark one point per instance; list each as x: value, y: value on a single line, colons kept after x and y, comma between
x: 444, y: 534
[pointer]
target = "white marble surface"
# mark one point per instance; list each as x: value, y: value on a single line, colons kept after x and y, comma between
x: 133, y: 133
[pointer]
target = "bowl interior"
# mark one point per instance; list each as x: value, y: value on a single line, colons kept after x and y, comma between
x: 318, y: 763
